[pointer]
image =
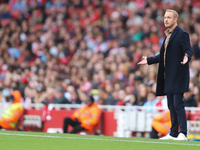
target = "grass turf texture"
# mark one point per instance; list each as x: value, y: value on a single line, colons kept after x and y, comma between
x: 12, y: 140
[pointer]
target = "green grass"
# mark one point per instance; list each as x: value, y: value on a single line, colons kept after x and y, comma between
x: 10, y: 140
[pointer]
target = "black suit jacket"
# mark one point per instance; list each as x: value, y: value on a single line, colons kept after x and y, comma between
x: 176, y: 75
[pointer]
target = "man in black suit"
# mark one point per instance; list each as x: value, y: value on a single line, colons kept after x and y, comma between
x: 173, y: 73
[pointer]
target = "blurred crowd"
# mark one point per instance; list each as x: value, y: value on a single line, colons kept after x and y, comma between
x: 61, y: 51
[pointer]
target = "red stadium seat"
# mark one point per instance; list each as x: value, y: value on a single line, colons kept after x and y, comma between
x: 187, y: 114
x: 195, y: 116
x: 198, y: 104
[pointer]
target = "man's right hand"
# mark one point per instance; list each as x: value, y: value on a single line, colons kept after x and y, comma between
x: 143, y: 62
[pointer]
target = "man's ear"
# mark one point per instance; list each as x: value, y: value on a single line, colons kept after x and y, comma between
x: 176, y: 19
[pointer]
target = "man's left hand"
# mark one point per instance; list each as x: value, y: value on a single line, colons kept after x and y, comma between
x: 185, y: 59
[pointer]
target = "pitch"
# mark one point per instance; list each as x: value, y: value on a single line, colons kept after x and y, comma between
x: 12, y: 140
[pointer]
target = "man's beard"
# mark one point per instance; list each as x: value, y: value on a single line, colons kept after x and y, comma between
x: 169, y: 26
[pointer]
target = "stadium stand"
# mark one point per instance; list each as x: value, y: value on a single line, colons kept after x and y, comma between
x: 53, y: 51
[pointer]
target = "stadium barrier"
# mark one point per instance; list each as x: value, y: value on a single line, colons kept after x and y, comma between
x: 119, y: 121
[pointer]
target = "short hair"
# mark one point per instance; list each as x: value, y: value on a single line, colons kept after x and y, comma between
x: 91, y: 98
x: 176, y: 15
x: 101, y: 88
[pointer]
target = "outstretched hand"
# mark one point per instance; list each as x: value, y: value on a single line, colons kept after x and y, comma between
x: 185, y: 59
x: 143, y: 62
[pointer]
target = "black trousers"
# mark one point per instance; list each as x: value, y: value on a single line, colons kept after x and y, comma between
x: 154, y: 134
x: 75, y: 124
x: 177, y: 114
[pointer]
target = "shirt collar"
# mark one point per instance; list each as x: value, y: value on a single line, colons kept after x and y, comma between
x: 168, y: 31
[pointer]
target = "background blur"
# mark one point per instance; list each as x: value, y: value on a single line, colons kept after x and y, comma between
x: 59, y: 51
x: 55, y: 48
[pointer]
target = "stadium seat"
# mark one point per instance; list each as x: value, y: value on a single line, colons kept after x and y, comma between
x: 194, y: 116
x: 187, y: 114
x: 32, y: 121
x: 198, y: 104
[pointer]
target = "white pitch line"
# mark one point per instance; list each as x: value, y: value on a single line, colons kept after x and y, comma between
x: 98, y: 139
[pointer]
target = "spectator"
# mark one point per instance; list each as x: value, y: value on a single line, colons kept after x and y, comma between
x: 4, y: 14
x: 151, y: 102
x: 105, y: 98
x: 109, y: 88
x: 6, y: 101
x: 70, y: 94
x: 142, y: 94
x: 86, y: 118
x: 59, y: 97
x: 130, y: 100
x: 82, y: 97
x: 96, y: 81
x: 122, y: 96
x: 29, y: 95
x: 53, y: 42
x: 85, y: 85
x: 189, y: 97
x: 196, y: 45
x: 50, y: 95
x: 40, y: 94
x: 115, y: 96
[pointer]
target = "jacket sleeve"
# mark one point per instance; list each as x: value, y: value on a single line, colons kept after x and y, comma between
x: 153, y: 60
x: 75, y: 115
x: 185, y: 43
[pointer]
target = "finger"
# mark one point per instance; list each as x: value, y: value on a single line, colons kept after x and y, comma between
x: 186, y: 59
x: 140, y: 63
x: 144, y: 57
x: 183, y: 62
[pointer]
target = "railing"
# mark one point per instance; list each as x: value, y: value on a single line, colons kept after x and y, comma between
x: 129, y: 118
x: 107, y: 107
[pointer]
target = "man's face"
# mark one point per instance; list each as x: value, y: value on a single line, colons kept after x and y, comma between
x: 169, y: 19
x: 101, y: 93
x: 89, y: 102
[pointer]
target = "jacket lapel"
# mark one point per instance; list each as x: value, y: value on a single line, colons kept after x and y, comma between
x: 162, y: 47
x: 173, y: 35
